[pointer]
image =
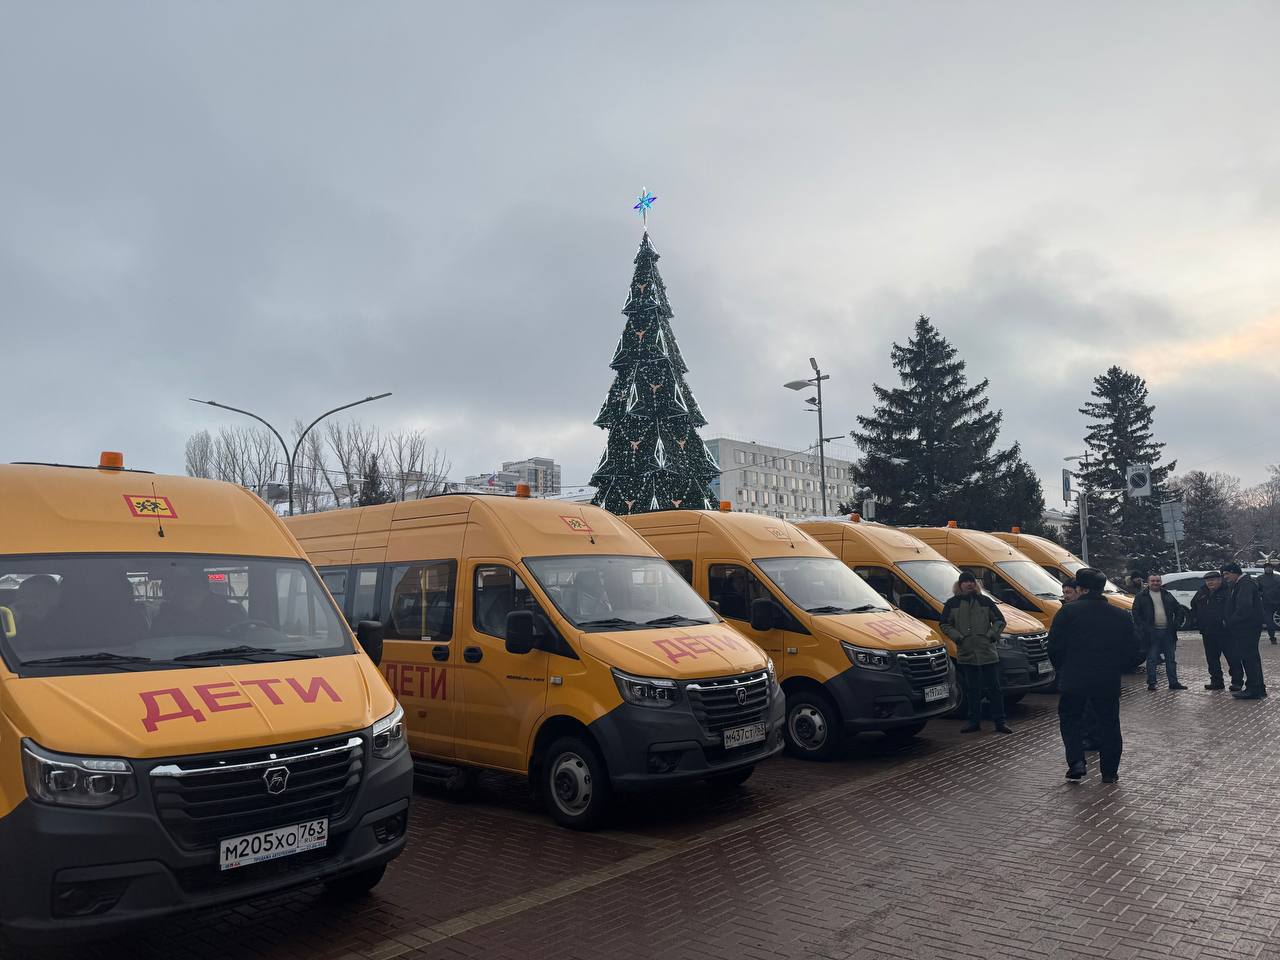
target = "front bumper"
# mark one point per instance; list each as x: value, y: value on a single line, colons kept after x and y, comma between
x: 645, y: 747
x: 83, y: 874
x: 885, y: 699
x: 1019, y: 674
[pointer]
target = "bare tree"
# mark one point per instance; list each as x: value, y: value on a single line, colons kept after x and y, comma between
x: 415, y: 471
x: 311, y: 474
x: 352, y: 445
x: 200, y: 455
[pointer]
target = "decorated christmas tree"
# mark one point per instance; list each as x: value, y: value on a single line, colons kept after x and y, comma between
x: 654, y: 459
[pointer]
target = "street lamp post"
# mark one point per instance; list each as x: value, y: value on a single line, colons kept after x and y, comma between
x: 816, y: 381
x: 290, y: 458
x: 1082, y: 502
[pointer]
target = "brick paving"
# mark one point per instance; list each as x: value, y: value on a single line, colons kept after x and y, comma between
x: 951, y: 847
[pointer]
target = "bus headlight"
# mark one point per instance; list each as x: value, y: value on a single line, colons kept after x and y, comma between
x: 388, y: 734
x: 646, y: 691
x: 865, y: 657
x: 76, y: 781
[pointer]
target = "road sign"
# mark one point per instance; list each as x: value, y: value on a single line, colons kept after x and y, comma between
x: 1138, y: 480
x: 1066, y: 486
x: 1171, y: 515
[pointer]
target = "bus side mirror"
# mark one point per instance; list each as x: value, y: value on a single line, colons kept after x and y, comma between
x: 519, y: 631
x: 714, y: 605
x: 369, y: 633
x: 763, y: 614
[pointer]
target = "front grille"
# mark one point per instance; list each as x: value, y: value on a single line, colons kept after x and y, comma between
x: 204, y: 799
x: 1036, y: 646
x: 924, y: 668
x: 729, y: 702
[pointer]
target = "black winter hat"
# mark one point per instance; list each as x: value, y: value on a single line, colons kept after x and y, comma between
x: 1091, y: 579
x: 967, y: 577
x: 1232, y: 567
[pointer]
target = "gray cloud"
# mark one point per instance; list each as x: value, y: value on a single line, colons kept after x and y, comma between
x: 286, y: 207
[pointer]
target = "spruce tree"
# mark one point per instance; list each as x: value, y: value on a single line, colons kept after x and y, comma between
x: 1125, y: 533
x: 929, y: 445
x: 654, y: 458
x: 373, y: 488
x: 1210, y: 501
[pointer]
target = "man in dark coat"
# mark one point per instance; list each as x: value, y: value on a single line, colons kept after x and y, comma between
x: 1244, y: 619
x: 1269, y: 587
x: 974, y: 623
x: 1209, y: 611
x: 1089, y: 644
x: 1157, y: 615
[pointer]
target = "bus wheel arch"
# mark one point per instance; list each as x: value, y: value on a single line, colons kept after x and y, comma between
x: 569, y: 774
x: 814, y: 728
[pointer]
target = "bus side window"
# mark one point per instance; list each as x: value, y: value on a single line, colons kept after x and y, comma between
x: 336, y: 580
x: 365, y: 595
x: 685, y: 569
x: 422, y: 601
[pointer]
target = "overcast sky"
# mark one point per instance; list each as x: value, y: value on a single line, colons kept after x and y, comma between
x: 288, y: 206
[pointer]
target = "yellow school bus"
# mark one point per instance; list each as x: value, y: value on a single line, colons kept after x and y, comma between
x: 182, y: 703
x: 1004, y: 572
x: 547, y: 639
x: 1059, y: 562
x: 848, y: 661
x: 919, y: 581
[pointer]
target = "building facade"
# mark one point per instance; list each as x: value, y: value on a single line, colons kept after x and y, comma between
x: 542, y: 474
x: 778, y: 482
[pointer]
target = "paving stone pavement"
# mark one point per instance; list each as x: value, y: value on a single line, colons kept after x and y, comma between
x: 950, y: 847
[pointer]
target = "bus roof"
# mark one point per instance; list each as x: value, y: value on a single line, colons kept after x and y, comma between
x: 890, y: 543
x: 61, y: 509
x: 754, y: 535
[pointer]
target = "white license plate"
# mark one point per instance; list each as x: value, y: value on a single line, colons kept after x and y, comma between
x: 741, y: 736
x: 270, y: 844
x: 1044, y: 666
x: 940, y: 692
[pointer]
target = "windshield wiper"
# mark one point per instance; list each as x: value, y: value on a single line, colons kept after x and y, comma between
x: 672, y: 619
x: 244, y: 652
x: 867, y: 607
x: 829, y: 608
x: 102, y: 659
x: 609, y: 622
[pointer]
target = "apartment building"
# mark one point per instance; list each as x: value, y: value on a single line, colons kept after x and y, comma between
x: 777, y: 481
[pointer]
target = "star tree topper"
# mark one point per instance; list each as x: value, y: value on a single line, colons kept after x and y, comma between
x: 644, y: 205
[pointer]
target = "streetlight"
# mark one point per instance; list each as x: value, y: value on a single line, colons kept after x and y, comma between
x: 816, y: 402
x: 290, y: 457
x: 1082, y: 506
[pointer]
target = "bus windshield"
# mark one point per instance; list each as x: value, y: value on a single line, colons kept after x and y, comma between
x: 1031, y: 578
x: 80, y: 613
x: 937, y: 578
x: 1072, y: 566
x: 822, y: 585
x: 599, y: 594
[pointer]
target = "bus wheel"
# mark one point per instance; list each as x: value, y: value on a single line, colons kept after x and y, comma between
x: 575, y: 783
x: 903, y: 734
x: 723, y: 782
x: 814, y: 730
x: 355, y: 885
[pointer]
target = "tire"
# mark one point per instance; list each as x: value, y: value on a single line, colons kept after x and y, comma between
x: 574, y: 783
x: 355, y: 885
x: 814, y: 730
x: 903, y: 734
x: 724, y: 782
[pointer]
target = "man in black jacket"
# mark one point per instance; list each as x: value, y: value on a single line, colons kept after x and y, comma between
x: 1244, y: 619
x: 1209, y: 611
x: 1269, y: 587
x: 1089, y: 644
